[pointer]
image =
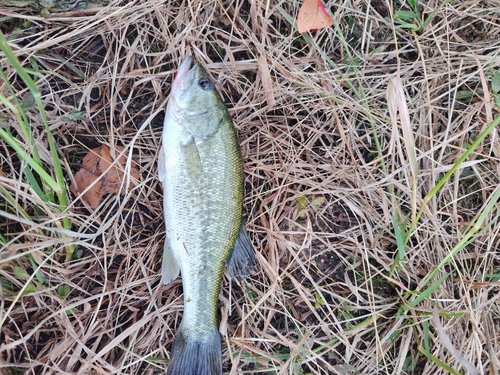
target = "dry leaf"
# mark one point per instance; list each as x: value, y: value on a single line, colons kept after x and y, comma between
x: 313, y: 16
x: 105, y: 176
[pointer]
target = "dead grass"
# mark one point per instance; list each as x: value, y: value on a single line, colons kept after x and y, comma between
x: 314, y: 122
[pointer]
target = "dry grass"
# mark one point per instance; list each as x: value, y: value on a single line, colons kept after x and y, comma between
x: 363, y: 115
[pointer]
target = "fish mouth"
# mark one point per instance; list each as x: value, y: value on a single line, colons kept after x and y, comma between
x: 184, y: 74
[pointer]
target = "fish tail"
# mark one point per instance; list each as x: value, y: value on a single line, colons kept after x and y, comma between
x: 200, y: 356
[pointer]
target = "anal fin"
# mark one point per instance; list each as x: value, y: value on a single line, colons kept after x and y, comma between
x: 241, y: 262
x: 169, y: 268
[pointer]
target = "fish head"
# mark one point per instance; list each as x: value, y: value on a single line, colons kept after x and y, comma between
x: 195, y: 103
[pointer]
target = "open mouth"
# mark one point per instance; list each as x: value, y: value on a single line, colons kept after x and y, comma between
x: 184, y: 72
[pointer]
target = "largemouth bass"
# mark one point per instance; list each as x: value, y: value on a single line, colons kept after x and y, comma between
x: 201, y: 169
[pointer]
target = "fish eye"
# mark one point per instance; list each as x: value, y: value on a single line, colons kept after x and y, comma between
x: 204, y: 83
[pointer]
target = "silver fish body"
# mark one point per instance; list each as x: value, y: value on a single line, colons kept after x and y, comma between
x: 201, y: 169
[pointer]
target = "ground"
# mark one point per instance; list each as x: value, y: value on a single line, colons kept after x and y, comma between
x: 371, y: 156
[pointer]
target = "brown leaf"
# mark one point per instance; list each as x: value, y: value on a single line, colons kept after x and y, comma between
x: 313, y: 16
x: 105, y: 175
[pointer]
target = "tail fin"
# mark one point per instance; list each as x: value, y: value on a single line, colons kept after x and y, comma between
x: 200, y: 356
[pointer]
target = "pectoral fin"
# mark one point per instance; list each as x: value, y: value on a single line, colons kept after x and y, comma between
x: 241, y: 262
x: 192, y: 158
x: 169, y: 268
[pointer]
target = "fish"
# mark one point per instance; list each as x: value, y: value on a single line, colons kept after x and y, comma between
x: 201, y: 170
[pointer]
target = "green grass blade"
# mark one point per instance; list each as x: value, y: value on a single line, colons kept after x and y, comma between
x: 57, y: 185
x: 431, y: 16
x: 426, y: 338
x: 493, y: 200
x: 28, y: 159
x: 425, y: 294
x: 450, y: 173
x: 438, y: 362
x: 34, y: 184
x: 399, y: 230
